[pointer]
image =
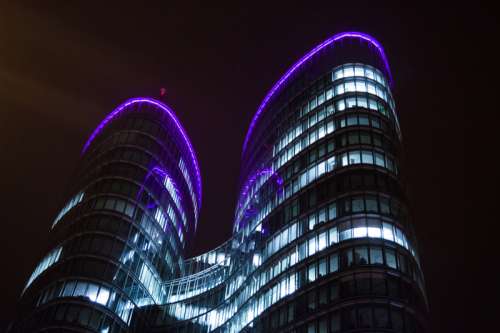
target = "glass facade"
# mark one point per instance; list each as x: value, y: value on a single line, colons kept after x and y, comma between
x: 322, y: 238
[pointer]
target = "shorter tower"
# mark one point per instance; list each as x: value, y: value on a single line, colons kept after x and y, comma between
x: 128, y: 215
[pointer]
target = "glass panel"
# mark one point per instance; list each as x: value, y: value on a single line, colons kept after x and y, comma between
x: 311, y: 272
x: 390, y: 258
x: 361, y: 255
x: 366, y: 156
x: 322, y: 267
x: 334, y: 262
x: 376, y: 257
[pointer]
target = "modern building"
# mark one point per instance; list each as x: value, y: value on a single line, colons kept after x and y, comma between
x: 322, y: 239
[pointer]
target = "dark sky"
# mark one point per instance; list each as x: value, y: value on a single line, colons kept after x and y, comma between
x: 64, y: 66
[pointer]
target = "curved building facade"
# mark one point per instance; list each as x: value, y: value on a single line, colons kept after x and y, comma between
x: 322, y: 240
x: 130, y: 211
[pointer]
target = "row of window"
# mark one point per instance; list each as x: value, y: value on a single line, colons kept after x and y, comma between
x: 46, y: 262
x: 127, y: 255
x: 129, y: 189
x: 361, y: 316
x: 358, y: 256
x: 354, y: 228
x: 82, y: 314
x: 150, y: 224
x: 367, y: 157
x: 121, y: 277
x: 145, y: 159
x: 92, y: 292
x: 149, y: 121
x: 359, y: 84
x: 358, y: 70
x: 366, y: 203
x: 187, y: 178
x: 75, y: 200
x: 343, y: 140
x: 321, y: 267
x: 329, y: 294
x: 358, y: 101
x: 320, y: 131
x: 137, y: 122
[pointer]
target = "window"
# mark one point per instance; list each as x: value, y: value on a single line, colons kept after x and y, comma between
x: 367, y: 157
x: 312, y: 246
x: 351, y: 101
x: 340, y: 105
x: 329, y: 94
x: 322, y: 267
x: 347, y: 258
x: 359, y: 71
x: 371, y: 204
x: 380, y: 317
x: 357, y: 205
x: 354, y: 157
x: 376, y: 257
x: 333, y: 236
x: 334, y: 263
x: 311, y: 272
x: 352, y: 121
x: 390, y: 258
x: 397, y: 320
x: 311, y: 301
x: 384, y: 206
x: 365, y: 317
x: 379, y: 159
x: 363, y: 120
x: 323, y: 326
x: 362, y: 102
x: 361, y: 255
x: 348, y: 71
x: 322, y: 241
x: 335, y: 322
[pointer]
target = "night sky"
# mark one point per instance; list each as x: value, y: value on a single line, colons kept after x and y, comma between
x: 64, y: 66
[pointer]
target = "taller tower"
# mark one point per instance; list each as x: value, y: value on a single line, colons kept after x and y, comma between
x: 339, y: 252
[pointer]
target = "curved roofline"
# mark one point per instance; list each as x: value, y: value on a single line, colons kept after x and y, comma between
x: 163, y: 108
x: 302, y: 61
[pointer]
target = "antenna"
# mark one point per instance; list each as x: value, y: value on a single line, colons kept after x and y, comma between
x: 163, y: 92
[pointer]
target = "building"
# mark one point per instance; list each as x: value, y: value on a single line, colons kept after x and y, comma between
x: 322, y: 237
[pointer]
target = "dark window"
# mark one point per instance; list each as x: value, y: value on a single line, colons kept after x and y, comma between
x: 380, y: 317
x: 361, y: 255
x: 335, y: 322
x: 365, y: 317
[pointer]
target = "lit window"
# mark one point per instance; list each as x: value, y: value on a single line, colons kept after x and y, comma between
x: 329, y: 94
x: 312, y: 246
x: 339, y: 89
x: 348, y: 71
x: 350, y: 86
x: 333, y: 236
x: 311, y: 272
x: 359, y: 71
x: 354, y: 157
x: 366, y: 157
x: 322, y: 241
x: 362, y: 102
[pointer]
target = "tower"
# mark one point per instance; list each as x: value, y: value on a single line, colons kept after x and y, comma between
x: 130, y: 211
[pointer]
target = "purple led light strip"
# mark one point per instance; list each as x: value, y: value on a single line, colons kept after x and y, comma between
x: 303, y: 60
x: 165, y: 109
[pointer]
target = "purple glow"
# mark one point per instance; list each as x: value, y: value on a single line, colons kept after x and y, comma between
x: 163, y: 108
x: 306, y: 58
x: 254, y: 178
